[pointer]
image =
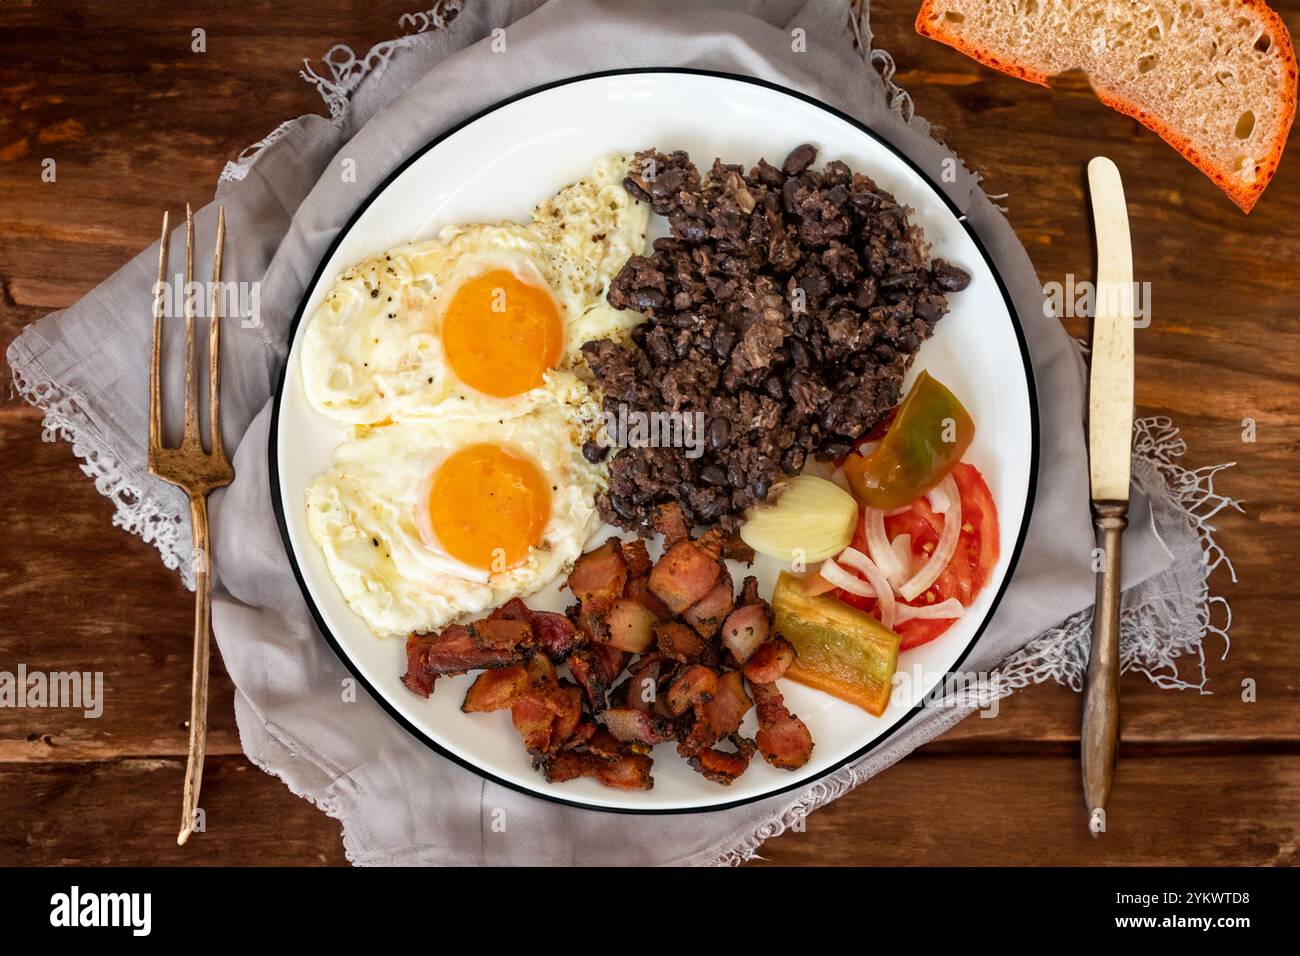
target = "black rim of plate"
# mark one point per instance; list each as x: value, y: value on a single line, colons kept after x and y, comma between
x: 539, y: 793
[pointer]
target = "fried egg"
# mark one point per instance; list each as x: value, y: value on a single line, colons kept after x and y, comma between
x: 482, y: 319
x: 423, y: 523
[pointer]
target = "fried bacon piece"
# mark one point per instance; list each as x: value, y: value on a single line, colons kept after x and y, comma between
x: 568, y: 714
x: 695, y: 683
x: 546, y: 711
x: 605, y: 744
x: 630, y: 626
x: 513, y: 610
x: 582, y: 734
x: 568, y: 765
x: 670, y: 521
x: 745, y: 630
x: 684, y: 574
x: 554, y: 634
x: 495, y: 689
x: 633, y: 726
x: 725, y: 711
x: 604, y: 757
x: 535, y: 720
x: 641, y: 689
x: 636, y: 557
x: 734, y: 549
x: 783, y: 739
x: 718, y: 717
x: 592, y: 622
x: 595, y: 668
x: 418, y: 679
x: 638, y: 589
x: 503, y: 634
x: 726, y: 544
x: 679, y: 642
x: 627, y: 771
x: 489, y: 643
x: 722, y: 766
x: 713, y: 542
x: 630, y: 771
x: 707, y: 614
x: 598, y: 576
x: 770, y: 661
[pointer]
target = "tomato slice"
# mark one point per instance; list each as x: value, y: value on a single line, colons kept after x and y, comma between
x: 968, y: 571
x: 920, y: 631
x: 979, y: 515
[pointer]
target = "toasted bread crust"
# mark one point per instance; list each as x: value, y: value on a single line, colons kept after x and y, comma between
x: 929, y: 23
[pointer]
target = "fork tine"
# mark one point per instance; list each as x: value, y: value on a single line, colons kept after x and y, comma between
x: 214, y: 341
x: 155, y: 361
x: 191, y: 380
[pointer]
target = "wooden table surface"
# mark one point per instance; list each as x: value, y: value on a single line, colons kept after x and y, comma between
x: 137, y: 122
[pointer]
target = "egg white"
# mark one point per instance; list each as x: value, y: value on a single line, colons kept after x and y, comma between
x: 372, y: 352
x: 368, y: 515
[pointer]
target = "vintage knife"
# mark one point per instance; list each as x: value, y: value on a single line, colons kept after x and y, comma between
x: 1110, y: 430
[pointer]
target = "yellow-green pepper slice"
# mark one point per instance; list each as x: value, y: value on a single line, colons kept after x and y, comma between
x: 841, y: 650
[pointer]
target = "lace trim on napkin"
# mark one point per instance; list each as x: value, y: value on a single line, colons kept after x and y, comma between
x: 346, y: 71
x: 237, y: 168
x: 897, y: 98
x: 157, y: 520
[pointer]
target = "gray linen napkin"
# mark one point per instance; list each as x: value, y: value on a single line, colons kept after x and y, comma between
x: 399, y: 802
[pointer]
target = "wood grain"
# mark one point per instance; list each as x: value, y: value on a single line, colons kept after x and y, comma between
x: 137, y: 122
x: 959, y: 810
x: 122, y: 811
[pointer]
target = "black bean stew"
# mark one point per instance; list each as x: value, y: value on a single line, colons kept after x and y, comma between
x: 786, y: 307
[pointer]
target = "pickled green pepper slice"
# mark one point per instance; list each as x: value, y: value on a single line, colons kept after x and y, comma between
x: 841, y: 650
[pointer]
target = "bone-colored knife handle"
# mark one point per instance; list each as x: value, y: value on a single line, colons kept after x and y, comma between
x: 1099, y: 738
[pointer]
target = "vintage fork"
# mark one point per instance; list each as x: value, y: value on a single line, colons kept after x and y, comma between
x: 196, y: 472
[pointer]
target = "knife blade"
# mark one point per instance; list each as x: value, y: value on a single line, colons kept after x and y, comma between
x: 1110, y: 429
x: 1110, y: 388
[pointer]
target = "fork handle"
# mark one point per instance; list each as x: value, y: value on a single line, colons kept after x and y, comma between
x: 1099, y: 738
x: 199, y: 679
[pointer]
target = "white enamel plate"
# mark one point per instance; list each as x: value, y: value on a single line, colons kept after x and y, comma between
x: 498, y: 166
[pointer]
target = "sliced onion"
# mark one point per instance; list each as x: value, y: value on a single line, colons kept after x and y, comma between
x: 894, y: 512
x: 951, y: 608
x: 938, y: 499
x: 873, y: 520
x: 850, y: 582
x: 805, y: 519
x: 902, y: 548
x: 884, y: 593
x: 943, y: 552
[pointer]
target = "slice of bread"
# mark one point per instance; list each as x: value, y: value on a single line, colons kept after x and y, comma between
x: 1216, y: 79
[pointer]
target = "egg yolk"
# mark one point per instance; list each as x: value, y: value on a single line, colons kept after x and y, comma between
x: 488, y: 506
x: 501, y: 334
